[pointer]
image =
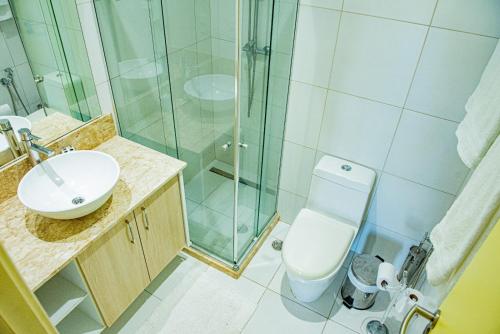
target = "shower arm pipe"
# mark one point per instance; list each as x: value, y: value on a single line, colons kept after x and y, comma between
x: 252, y: 50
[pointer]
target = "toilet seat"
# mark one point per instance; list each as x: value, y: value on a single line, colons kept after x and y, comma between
x: 316, y: 245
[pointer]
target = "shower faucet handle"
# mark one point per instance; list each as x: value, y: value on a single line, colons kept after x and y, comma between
x: 242, y: 145
x: 226, y: 146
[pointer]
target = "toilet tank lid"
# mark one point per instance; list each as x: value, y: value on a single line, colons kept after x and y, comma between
x: 345, y: 173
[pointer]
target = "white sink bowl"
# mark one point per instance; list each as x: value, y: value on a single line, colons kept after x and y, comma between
x: 69, y: 185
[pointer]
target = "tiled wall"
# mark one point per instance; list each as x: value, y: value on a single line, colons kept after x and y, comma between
x: 95, y: 53
x: 12, y: 55
x: 384, y: 84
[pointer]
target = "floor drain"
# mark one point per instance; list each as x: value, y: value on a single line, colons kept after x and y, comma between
x: 277, y: 244
x: 78, y: 200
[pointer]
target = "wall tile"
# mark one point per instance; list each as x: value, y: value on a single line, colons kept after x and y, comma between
x: 391, y: 246
x: 358, y: 129
x: 477, y: 16
x: 314, y: 45
x: 406, y: 207
x: 289, y: 205
x: 179, y: 22
x: 222, y: 19
x: 297, y: 165
x: 5, y: 58
x: 93, y: 42
x: 449, y: 70
x: 424, y: 151
x: 28, y: 84
x: 105, y: 98
x: 331, y: 4
x: 376, y: 58
x: 305, y: 111
x: 13, y: 41
x: 418, y: 11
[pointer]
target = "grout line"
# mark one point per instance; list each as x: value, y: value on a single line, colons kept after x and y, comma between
x: 420, y: 184
x: 427, y: 114
x: 394, y: 232
x: 254, y: 310
x: 409, y: 90
x: 299, y: 304
x: 401, y: 20
x: 325, y: 103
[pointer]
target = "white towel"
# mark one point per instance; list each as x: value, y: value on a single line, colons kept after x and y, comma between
x: 467, y: 218
x: 481, y: 124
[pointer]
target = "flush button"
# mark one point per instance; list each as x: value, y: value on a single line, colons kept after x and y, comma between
x: 347, y: 168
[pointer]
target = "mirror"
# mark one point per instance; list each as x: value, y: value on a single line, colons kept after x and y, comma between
x: 46, y: 83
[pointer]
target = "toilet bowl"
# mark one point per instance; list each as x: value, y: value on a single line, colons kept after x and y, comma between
x: 320, y: 237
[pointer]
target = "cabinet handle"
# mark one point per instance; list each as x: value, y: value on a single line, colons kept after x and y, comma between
x: 132, y: 238
x: 145, y: 218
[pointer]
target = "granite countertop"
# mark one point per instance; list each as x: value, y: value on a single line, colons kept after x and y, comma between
x: 40, y: 247
x: 53, y: 126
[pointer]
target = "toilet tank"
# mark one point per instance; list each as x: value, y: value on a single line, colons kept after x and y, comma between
x: 341, y: 188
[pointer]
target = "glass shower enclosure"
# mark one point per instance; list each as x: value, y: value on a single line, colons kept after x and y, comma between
x: 206, y: 81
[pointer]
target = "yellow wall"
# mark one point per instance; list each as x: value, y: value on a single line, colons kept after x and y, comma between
x: 473, y: 306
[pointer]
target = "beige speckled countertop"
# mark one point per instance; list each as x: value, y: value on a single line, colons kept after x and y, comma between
x: 40, y: 247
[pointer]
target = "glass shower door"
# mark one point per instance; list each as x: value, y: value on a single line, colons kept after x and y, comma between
x: 175, y: 67
x: 255, y: 45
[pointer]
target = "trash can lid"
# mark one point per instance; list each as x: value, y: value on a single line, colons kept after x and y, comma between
x: 365, y: 268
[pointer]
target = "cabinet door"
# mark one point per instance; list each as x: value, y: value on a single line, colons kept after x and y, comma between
x: 115, y: 270
x: 161, y: 227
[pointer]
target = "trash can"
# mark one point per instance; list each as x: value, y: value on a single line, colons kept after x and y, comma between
x: 360, y: 286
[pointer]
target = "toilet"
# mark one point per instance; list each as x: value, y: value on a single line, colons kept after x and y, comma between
x: 322, y: 234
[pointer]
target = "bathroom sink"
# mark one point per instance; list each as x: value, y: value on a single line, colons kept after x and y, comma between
x: 69, y: 185
x: 211, y: 87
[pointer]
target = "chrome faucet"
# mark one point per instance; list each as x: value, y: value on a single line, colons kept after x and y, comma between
x: 33, y: 150
x: 10, y: 136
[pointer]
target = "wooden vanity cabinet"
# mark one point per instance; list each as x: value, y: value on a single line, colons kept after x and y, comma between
x: 114, y: 269
x: 160, y: 224
x: 119, y: 265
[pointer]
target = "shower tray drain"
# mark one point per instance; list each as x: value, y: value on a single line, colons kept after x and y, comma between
x: 78, y: 200
x: 277, y: 244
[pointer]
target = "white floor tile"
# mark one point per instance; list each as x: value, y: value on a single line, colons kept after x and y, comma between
x: 213, y: 303
x: 177, y: 278
x: 277, y: 314
x: 264, y: 264
x: 135, y: 316
x: 202, y: 185
x: 280, y: 230
x: 323, y: 305
x: 222, y: 198
x: 211, y: 230
x: 191, y: 206
x: 334, y: 328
